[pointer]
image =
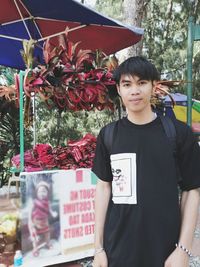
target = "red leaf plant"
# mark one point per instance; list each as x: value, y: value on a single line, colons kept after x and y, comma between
x: 76, y: 154
x: 71, y: 79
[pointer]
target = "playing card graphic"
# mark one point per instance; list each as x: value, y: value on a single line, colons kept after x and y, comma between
x: 124, y: 178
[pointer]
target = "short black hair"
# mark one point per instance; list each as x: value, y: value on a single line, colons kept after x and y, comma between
x: 137, y: 66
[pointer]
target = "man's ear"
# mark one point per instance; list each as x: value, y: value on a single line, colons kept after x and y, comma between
x: 154, y: 86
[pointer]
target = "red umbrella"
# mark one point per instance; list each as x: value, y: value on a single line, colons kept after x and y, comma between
x: 40, y: 19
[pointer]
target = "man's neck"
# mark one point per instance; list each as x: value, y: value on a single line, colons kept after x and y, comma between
x: 141, y: 118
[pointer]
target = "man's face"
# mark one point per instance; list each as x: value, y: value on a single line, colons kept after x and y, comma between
x: 135, y: 93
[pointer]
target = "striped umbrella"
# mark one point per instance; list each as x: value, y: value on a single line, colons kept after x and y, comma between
x: 180, y: 109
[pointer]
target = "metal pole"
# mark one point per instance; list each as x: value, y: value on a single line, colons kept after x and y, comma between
x: 189, y: 69
x: 34, y: 118
x: 21, y: 120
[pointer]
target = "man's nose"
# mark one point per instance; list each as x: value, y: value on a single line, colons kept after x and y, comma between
x: 135, y: 90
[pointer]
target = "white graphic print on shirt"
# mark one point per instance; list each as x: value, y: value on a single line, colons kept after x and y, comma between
x: 124, y: 178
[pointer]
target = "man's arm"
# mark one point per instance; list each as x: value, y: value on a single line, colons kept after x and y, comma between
x: 189, y: 214
x: 103, y: 193
x: 31, y: 227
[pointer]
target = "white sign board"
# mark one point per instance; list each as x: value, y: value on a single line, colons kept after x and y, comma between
x: 57, y: 222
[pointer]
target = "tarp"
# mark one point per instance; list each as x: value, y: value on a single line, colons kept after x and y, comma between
x: 180, y: 109
x: 181, y: 114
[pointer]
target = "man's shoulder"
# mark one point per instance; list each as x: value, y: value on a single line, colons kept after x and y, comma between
x: 110, y: 125
x: 181, y: 127
x: 183, y: 131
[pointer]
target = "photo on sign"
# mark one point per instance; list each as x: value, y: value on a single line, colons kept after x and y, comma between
x: 40, y: 224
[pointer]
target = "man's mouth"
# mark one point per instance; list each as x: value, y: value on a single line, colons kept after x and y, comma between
x: 135, y: 100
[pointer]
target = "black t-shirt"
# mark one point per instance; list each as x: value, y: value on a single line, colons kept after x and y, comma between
x: 143, y: 218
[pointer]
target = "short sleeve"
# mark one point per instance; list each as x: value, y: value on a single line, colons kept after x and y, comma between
x: 101, y: 164
x: 188, y: 159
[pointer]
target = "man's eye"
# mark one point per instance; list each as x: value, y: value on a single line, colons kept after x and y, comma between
x: 126, y: 84
x: 142, y: 82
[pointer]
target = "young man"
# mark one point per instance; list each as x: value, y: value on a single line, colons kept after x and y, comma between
x: 139, y: 220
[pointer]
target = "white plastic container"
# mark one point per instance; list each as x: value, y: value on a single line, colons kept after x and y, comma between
x: 18, y: 260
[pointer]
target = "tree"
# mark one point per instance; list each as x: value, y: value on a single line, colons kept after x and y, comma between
x: 134, y: 13
x: 128, y: 11
x: 104, y: 7
x: 196, y: 71
x: 165, y: 37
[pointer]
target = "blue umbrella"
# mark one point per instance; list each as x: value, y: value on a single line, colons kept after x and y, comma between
x: 40, y: 19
